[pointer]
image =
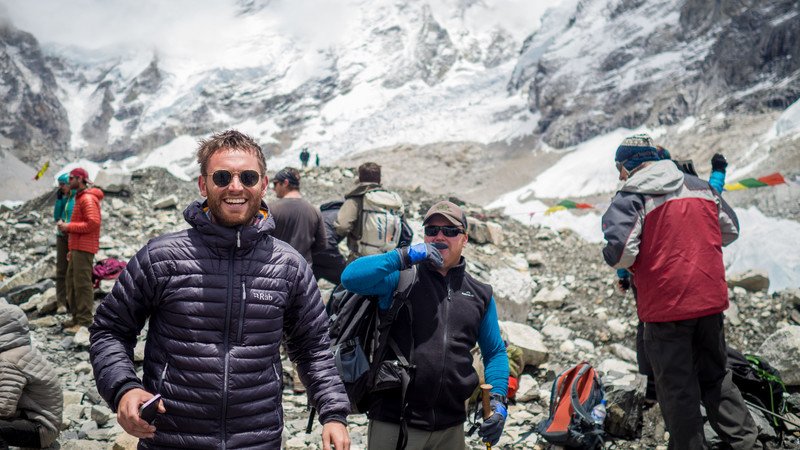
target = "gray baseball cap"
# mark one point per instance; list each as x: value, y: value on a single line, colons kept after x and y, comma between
x: 449, y: 211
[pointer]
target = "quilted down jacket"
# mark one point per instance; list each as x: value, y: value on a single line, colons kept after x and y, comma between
x: 29, y: 385
x: 220, y: 301
x: 84, y: 226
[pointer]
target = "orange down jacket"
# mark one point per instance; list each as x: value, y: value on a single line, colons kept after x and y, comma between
x: 84, y: 228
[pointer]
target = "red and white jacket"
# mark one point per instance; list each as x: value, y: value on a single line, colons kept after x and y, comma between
x: 668, y: 229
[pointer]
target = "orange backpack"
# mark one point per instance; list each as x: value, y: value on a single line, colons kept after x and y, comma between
x: 575, y: 393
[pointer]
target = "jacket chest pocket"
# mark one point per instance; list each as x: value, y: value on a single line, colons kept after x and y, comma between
x: 254, y: 307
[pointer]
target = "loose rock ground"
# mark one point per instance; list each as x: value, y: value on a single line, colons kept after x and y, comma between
x: 549, y: 280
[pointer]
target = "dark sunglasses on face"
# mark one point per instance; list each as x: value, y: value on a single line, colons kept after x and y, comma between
x: 248, y: 178
x: 448, y: 231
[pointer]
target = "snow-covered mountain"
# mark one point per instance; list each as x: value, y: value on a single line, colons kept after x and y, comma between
x: 357, y: 74
x: 395, y: 71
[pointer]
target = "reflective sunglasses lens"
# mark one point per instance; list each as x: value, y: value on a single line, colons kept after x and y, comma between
x: 451, y: 231
x: 249, y: 178
x: 446, y: 230
x: 222, y: 178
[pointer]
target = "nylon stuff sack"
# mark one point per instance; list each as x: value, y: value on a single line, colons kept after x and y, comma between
x: 381, y: 226
x: 575, y: 392
x: 760, y: 384
x: 107, y: 269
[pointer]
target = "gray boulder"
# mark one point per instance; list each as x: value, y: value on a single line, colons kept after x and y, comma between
x: 170, y: 201
x: 534, y: 352
x: 782, y: 350
x: 484, y: 232
x: 22, y: 294
x: 553, y: 298
x: 44, y: 268
x: 625, y: 394
x: 112, y: 181
x: 752, y: 280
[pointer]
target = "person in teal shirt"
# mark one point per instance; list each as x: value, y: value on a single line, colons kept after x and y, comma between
x: 62, y: 212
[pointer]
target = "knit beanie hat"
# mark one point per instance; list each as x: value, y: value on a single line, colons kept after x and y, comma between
x: 635, y: 150
x: 63, y: 178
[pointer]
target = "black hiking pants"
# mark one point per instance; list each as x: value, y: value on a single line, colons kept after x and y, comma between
x: 645, y: 368
x: 19, y: 433
x: 689, y: 361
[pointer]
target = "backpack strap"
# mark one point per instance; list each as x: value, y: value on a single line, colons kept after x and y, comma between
x: 406, y: 282
x: 575, y: 395
x: 580, y: 411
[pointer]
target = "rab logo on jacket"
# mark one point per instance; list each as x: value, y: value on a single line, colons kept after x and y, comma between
x: 263, y: 296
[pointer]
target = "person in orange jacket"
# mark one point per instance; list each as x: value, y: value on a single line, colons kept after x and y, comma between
x: 84, y: 241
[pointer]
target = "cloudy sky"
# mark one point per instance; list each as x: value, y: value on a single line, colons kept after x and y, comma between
x: 180, y: 26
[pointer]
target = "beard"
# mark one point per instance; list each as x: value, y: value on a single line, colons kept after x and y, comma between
x: 228, y: 216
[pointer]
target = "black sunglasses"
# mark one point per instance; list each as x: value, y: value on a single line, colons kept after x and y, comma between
x: 447, y: 230
x: 248, y: 178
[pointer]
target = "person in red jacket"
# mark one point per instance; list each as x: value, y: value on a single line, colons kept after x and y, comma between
x: 668, y: 229
x: 84, y: 241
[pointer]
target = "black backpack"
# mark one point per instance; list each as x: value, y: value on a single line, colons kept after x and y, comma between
x: 360, y: 342
x: 760, y: 385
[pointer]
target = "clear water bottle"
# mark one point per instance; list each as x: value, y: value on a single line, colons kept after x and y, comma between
x: 599, y: 412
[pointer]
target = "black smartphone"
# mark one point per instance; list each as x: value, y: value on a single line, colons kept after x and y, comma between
x: 149, y: 410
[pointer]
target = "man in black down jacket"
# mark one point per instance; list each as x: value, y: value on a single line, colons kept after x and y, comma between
x: 220, y: 296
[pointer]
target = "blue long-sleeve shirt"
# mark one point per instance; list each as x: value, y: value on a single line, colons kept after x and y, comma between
x: 378, y: 275
x: 717, y: 181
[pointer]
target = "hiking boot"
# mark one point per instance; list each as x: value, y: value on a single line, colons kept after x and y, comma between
x: 73, y: 329
x: 68, y: 323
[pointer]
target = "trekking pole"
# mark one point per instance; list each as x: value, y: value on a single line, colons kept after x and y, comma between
x: 772, y: 413
x: 487, y: 409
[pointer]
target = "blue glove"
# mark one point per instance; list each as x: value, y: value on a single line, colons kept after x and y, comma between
x: 624, y: 281
x: 492, y: 428
x: 418, y: 253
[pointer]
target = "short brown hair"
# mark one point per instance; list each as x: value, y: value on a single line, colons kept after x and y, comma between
x: 369, y: 172
x: 229, y: 140
x: 289, y: 174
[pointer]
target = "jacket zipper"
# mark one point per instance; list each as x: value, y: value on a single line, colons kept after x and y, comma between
x: 445, y: 314
x: 241, y: 315
x: 226, y: 341
x: 163, y: 375
x: 279, y: 380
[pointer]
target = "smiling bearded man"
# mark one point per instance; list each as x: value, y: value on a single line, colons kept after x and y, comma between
x: 220, y: 296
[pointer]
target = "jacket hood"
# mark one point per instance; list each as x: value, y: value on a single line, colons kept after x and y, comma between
x: 14, y: 330
x: 96, y: 192
x: 363, y: 188
x: 221, y: 236
x: 658, y: 178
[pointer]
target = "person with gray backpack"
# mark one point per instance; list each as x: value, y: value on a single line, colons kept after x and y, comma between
x: 371, y: 216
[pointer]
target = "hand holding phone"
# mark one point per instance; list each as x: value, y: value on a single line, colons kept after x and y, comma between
x: 149, y: 409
